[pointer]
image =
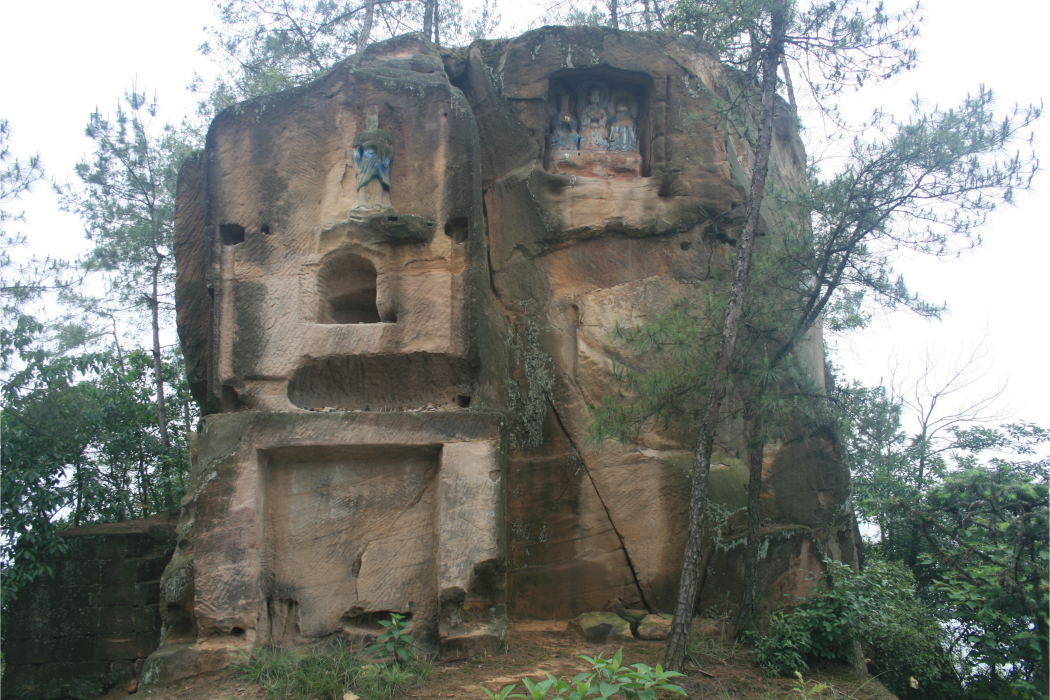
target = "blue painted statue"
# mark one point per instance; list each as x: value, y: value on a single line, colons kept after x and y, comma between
x: 373, y: 151
x: 623, y: 135
x: 563, y: 128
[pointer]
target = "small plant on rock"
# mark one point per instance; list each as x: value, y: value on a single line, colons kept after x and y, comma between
x: 393, y: 641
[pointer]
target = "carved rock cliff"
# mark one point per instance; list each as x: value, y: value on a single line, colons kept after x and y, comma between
x: 395, y: 289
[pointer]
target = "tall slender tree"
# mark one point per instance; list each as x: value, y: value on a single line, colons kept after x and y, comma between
x: 687, y: 592
x: 836, y: 244
x: 127, y: 202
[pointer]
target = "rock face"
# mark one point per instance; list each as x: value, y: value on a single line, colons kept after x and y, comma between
x: 394, y: 292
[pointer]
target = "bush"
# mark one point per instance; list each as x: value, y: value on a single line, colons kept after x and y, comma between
x: 394, y: 642
x: 877, y: 607
x: 907, y: 641
x: 783, y: 650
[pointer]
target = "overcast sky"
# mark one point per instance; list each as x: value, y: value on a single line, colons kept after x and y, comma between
x: 60, y: 59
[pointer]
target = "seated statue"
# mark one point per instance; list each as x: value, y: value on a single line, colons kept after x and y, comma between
x: 593, y: 118
x: 563, y: 128
x: 623, y: 135
x: 373, y: 151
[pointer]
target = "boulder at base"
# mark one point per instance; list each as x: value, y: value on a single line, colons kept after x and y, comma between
x: 602, y: 627
x: 654, y: 627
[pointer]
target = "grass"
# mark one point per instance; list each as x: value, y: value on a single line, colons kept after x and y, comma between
x: 329, y: 671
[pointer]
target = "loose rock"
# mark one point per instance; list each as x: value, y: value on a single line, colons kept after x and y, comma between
x: 602, y: 627
x: 654, y: 627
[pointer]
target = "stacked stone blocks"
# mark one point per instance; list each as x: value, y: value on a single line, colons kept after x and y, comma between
x: 94, y: 623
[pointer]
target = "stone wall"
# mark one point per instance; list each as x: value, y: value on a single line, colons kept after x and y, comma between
x: 93, y: 624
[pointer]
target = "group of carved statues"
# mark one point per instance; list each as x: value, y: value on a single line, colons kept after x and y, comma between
x: 596, y: 129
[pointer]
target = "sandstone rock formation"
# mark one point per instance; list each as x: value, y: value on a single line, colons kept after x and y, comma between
x: 398, y: 379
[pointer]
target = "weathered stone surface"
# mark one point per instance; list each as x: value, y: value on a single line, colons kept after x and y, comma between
x: 654, y: 627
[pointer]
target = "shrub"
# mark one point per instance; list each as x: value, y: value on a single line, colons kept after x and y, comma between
x: 784, y: 648
x: 877, y: 607
x: 393, y: 641
x: 907, y: 640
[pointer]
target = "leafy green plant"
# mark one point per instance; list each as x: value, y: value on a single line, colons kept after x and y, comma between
x: 986, y: 528
x: 877, y: 607
x: 610, y: 679
x: 783, y: 649
x: 503, y: 694
x: 329, y: 672
x: 806, y: 691
x: 905, y: 644
x: 394, y: 641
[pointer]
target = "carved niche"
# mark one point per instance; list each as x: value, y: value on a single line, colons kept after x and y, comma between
x: 600, y: 123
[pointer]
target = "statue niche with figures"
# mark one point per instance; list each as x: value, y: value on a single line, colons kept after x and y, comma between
x: 593, y: 129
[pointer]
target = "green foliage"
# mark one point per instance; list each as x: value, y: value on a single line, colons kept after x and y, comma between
x: 782, y: 651
x: 610, y: 679
x: 881, y: 463
x: 22, y: 281
x: 924, y: 185
x: 804, y: 690
x: 127, y: 203
x: 907, y: 641
x: 266, y: 46
x: 986, y: 527
x: 837, y: 43
x: 80, y: 444
x: 329, y: 672
x: 972, y: 531
x: 877, y: 607
x: 393, y: 641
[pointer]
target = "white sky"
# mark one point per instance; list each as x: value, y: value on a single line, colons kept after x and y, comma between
x: 59, y: 59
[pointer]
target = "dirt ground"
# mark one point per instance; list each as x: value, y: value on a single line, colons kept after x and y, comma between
x: 537, y: 648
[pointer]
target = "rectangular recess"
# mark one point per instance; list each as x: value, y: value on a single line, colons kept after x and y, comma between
x: 350, y: 530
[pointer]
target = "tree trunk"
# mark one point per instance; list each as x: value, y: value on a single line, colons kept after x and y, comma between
x: 790, y: 88
x: 428, y: 18
x: 683, y: 615
x: 116, y: 343
x: 659, y: 14
x: 614, y: 13
x: 366, y: 25
x: 648, y: 17
x: 912, y: 559
x: 755, y: 449
x: 437, y: 22
x: 1042, y: 629
x: 77, y: 514
x: 154, y: 303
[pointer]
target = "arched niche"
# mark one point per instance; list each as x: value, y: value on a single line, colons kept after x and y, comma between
x: 347, y: 286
